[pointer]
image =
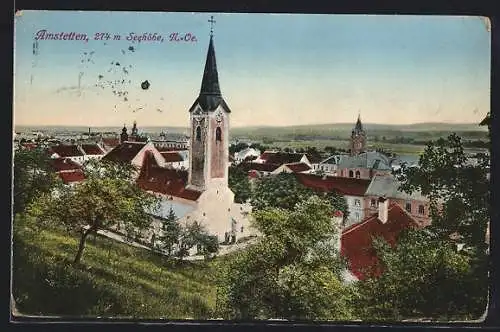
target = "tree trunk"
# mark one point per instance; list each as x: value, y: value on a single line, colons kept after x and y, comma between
x: 82, y: 245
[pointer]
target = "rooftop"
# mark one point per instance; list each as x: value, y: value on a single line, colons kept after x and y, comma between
x: 357, y: 240
x: 389, y: 186
x: 341, y: 185
x: 66, y: 150
x: 124, y: 152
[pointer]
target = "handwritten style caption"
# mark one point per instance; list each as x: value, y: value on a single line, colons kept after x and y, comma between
x: 106, y: 36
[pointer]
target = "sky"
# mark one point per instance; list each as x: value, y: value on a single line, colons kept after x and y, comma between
x: 274, y: 69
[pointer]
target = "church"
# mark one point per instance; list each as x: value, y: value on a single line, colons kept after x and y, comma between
x: 200, y: 193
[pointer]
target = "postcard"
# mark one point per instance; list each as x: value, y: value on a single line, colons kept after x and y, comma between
x: 232, y: 166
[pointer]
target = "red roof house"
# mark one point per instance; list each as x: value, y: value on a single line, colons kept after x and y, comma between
x: 66, y: 151
x: 166, y: 181
x: 64, y: 165
x: 172, y: 156
x: 341, y: 185
x: 72, y: 176
x: 92, y: 149
x: 357, y: 240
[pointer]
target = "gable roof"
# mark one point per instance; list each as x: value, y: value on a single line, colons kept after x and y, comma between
x: 298, y: 167
x: 66, y: 150
x: 266, y: 167
x: 357, y: 240
x: 387, y: 185
x: 124, y: 152
x: 166, y: 181
x: 64, y: 164
x: 92, y: 149
x: 371, y: 159
x: 73, y: 176
x: 341, y: 185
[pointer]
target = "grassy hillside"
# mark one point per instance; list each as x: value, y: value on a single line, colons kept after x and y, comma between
x: 114, y: 280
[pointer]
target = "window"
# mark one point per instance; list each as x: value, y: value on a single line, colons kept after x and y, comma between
x: 218, y: 134
x: 408, y: 207
x: 356, y: 215
x: 357, y: 202
x: 373, y: 203
x: 421, y: 209
x: 351, y: 174
x: 242, y: 229
x: 358, y: 174
x: 198, y: 133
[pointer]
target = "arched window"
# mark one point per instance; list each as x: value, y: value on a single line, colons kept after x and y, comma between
x: 351, y: 174
x: 421, y: 209
x: 358, y: 174
x: 218, y: 134
x: 198, y: 133
x: 408, y: 207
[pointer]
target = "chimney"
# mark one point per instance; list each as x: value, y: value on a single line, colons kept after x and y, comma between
x: 383, y: 209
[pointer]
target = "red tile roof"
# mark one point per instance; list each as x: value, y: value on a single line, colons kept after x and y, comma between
x: 124, y: 152
x: 64, y: 164
x: 74, y: 176
x: 92, y: 149
x: 172, y: 156
x: 248, y: 166
x: 66, y: 150
x: 357, y: 245
x: 166, y: 181
x: 167, y: 149
x: 298, y: 167
x: 29, y: 146
x: 341, y: 185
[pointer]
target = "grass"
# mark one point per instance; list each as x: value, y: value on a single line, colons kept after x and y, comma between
x: 114, y: 280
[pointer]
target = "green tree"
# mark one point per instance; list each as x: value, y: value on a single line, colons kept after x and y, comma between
x: 291, y: 272
x: 195, y: 234
x: 281, y: 190
x: 424, y: 277
x: 171, y: 232
x: 106, y: 198
x: 239, y: 184
x: 458, y: 192
x: 33, y: 176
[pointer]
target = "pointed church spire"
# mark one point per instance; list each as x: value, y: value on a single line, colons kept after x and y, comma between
x: 210, y: 96
x: 210, y: 82
x: 359, y: 126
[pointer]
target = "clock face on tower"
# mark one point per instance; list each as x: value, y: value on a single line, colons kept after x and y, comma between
x: 218, y: 116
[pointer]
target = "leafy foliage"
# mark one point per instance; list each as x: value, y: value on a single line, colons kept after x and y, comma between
x: 33, y: 176
x: 106, y: 198
x: 194, y: 234
x: 458, y: 191
x: 292, y: 271
x: 281, y: 190
x: 171, y: 233
x: 239, y: 184
x: 423, y: 277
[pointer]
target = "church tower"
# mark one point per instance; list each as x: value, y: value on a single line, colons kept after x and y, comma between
x: 124, y: 135
x: 209, y: 126
x: 358, y: 138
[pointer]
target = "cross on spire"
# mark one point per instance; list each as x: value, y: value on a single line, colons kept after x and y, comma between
x: 212, y: 22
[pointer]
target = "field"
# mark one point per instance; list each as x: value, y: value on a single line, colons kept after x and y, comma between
x: 114, y: 280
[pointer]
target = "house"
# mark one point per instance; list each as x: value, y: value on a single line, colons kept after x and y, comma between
x: 328, y: 166
x: 415, y: 204
x: 69, y: 172
x: 246, y: 154
x: 133, y: 153
x: 279, y: 158
x: 92, y: 151
x: 255, y: 169
x: 352, y: 189
x: 109, y: 143
x: 364, y: 165
x: 292, y: 168
x: 357, y: 240
x: 72, y: 152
